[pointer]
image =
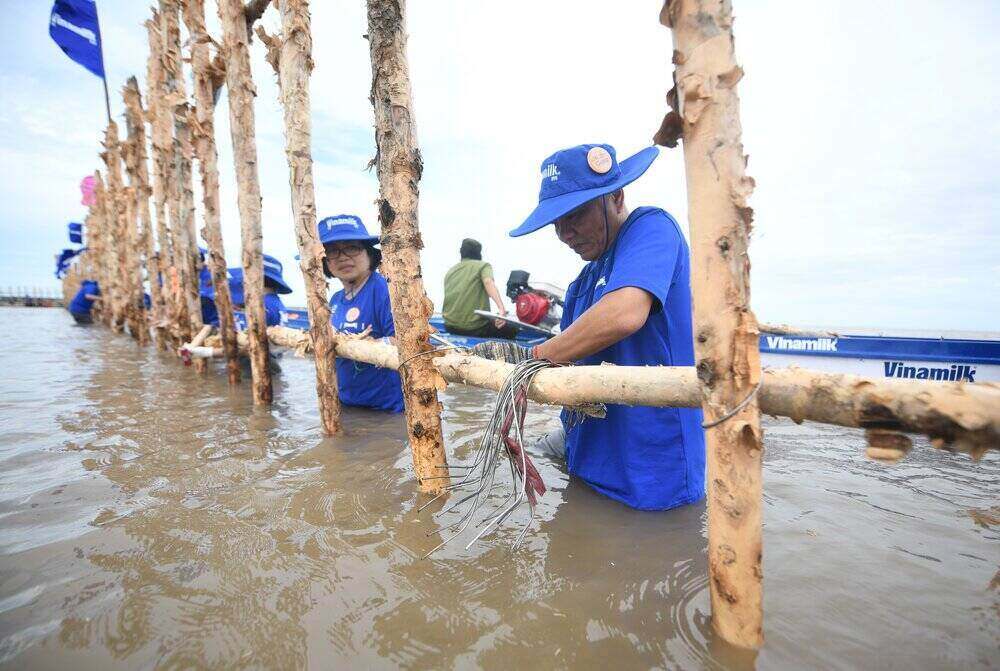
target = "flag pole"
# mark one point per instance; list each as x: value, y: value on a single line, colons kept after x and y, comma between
x: 104, y: 71
x: 107, y: 100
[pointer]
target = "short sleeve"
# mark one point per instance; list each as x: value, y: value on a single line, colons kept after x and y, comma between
x: 646, y: 255
x: 272, y: 310
x: 486, y: 272
x: 383, y: 311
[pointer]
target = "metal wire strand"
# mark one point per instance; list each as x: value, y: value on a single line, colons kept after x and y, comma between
x: 480, y: 479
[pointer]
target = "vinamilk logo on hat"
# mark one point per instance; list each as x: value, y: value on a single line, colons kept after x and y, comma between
x: 573, y: 176
x: 343, y: 227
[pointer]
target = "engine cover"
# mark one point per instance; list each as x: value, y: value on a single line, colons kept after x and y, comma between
x: 532, y: 307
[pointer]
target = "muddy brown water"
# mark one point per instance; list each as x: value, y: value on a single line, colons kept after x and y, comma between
x: 153, y: 519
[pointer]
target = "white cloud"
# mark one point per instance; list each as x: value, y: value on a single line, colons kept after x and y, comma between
x: 870, y: 129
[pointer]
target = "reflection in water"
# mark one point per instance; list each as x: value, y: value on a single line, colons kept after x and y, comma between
x: 152, y: 518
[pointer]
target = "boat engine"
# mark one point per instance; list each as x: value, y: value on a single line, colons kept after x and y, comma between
x: 537, y: 303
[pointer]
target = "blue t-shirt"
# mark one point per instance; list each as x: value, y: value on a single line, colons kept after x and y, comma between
x: 273, y: 307
x: 80, y: 303
x: 209, y: 313
x: 360, y: 383
x: 647, y: 458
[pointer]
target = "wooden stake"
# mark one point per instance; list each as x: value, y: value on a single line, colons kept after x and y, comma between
x: 114, y: 206
x: 202, y: 124
x: 163, y: 148
x: 139, y: 220
x: 291, y: 57
x: 726, y: 335
x: 399, y: 166
x: 107, y: 262
x: 239, y: 84
x: 139, y: 177
x: 182, y: 197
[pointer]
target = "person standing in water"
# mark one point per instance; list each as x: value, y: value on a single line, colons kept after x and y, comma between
x: 83, y: 301
x: 630, y: 306
x: 362, y: 308
x: 274, y: 284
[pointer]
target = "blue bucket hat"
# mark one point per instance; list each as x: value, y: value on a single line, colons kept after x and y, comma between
x: 272, y: 271
x: 342, y: 227
x: 573, y: 176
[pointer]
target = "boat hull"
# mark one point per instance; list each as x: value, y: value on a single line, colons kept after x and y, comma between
x: 877, y: 356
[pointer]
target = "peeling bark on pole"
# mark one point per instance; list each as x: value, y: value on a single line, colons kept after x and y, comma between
x: 107, y: 259
x: 239, y: 84
x: 115, y: 208
x: 726, y: 335
x: 291, y: 57
x: 202, y: 124
x: 399, y: 165
x: 139, y: 177
x: 135, y: 167
x: 163, y: 149
x: 182, y: 197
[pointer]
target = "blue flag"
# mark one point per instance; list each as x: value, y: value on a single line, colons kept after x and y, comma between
x: 73, y: 25
x: 76, y: 232
x: 63, y: 259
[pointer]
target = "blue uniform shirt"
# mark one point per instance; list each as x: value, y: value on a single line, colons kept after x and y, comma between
x: 361, y: 383
x: 273, y: 307
x: 647, y: 458
x: 209, y: 313
x: 80, y: 303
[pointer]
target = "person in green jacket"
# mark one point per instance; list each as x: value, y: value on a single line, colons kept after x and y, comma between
x: 469, y: 286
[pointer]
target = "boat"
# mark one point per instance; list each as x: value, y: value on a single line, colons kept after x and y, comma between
x: 942, y: 356
x: 907, y: 355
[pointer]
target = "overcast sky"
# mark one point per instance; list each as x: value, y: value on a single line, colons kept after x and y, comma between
x: 872, y: 129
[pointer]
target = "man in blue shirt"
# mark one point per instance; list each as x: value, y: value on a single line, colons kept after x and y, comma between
x: 631, y: 306
x: 83, y: 301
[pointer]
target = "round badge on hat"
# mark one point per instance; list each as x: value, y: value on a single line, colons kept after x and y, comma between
x: 599, y: 160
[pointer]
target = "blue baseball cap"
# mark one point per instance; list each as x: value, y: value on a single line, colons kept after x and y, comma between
x: 272, y: 271
x: 343, y: 227
x: 571, y: 177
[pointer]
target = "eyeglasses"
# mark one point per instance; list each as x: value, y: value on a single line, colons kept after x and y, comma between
x: 348, y: 251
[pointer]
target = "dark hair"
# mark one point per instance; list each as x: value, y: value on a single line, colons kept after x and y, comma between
x: 471, y: 249
x: 374, y: 258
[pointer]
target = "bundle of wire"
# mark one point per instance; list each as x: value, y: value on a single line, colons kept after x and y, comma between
x: 503, y: 440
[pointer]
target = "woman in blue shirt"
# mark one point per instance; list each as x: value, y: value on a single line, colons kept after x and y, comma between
x: 361, y: 307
